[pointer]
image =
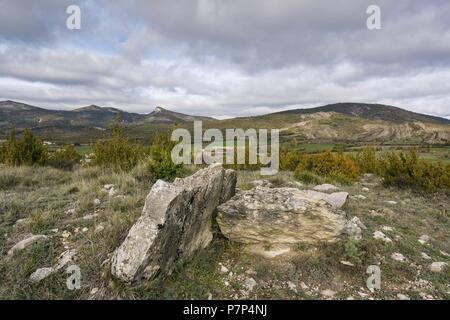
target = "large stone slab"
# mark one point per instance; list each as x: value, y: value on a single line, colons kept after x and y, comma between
x: 175, y: 222
x: 279, y: 216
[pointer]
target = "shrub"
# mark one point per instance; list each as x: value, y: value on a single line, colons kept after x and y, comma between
x: 367, y: 160
x: 28, y: 151
x: 290, y: 160
x: 64, y: 158
x: 331, y: 165
x: 117, y: 152
x: 160, y: 164
x: 406, y: 170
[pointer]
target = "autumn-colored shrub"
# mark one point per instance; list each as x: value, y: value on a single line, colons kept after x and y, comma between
x: 160, y: 164
x: 367, y: 160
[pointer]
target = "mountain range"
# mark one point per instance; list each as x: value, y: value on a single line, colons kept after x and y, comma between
x: 334, y: 122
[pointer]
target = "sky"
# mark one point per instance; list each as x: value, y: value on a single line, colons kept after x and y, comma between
x: 226, y: 58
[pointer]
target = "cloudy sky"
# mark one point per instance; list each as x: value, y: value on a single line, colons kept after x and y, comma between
x: 226, y: 57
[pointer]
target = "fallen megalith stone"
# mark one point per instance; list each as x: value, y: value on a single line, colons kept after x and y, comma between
x: 175, y: 222
x: 275, y: 216
x: 34, y: 239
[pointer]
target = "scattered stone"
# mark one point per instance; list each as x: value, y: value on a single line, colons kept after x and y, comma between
x: 387, y: 228
x: 210, y: 296
x: 354, y: 227
x: 292, y: 286
x: 425, y: 256
x: 336, y: 199
x: 391, y: 202
x: 223, y: 269
x: 326, y: 188
x: 93, y: 291
x: 304, y: 286
x: 21, y: 222
x: 112, y: 192
x: 398, y: 257
x: 97, y: 202
x: 261, y: 183
x: 426, y: 296
x: 85, y: 229
x: 99, y: 228
x: 365, y: 189
x: 359, y: 197
x: 175, y: 222
x: 66, y: 234
x: 71, y: 211
x: 402, y: 296
x: 65, y: 258
x: 424, y: 239
x: 34, y: 239
x: 328, y: 293
x: 347, y: 263
x: 277, y: 216
x: 108, y: 187
x: 438, y: 266
x: 90, y: 216
x: 381, y: 236
x: 250, y: 284
x: 444, y: 253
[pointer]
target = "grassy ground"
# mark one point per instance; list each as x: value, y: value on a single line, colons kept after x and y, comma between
x: 54, y: 202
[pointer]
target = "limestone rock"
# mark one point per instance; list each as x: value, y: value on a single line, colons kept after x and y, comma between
x: 326, y: 188
x: 437, y: 266
x: 398, y: 257
x: 279, y: 216
x: 175, y: 222
x: 336, y: 199
x: 26, y: 243
x: 64, y: 259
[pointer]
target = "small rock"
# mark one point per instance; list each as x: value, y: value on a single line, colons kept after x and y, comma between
x: 66, y: 234
x: 304, y: 286
x: 381, y: 236
x: 424, y: 239
x: 250, y: 284
x: 108, y: 187
x: 112, y: 192
x: 426, y: 296
x: 99, y: 228
x: 347, y: 263
x: 425, y: 256
x: 34, y: 239
x: 398, y: 257
x: 71, y: 211
x: 85, y: 229
x: 365, y: 189
x: 438, y: 266
x: 391, y: 202
x: 94, y: 291
x: 223, y: 269
x: 387, y: 228
x: 40, y: 274
x: 90, y: 216
x: 326, y: 188
x: 292, y: 286
x: 359, y: 197
x: 210, y: 296
x: 401, y: 296
x: 444, y: 253
x: 328, y: 293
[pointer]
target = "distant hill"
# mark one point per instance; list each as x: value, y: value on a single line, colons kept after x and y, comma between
x: 355, y: 122
x: 370, y: 112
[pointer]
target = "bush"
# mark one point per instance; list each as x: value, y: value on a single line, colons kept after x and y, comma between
x: 65, y: 158
x: 331, y: 165
x: 28, y: 151
x: 367, y: 160
x: 290, y: 160
x: 117, y: 152
x: 406, y: 170
x: 160, y: 164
